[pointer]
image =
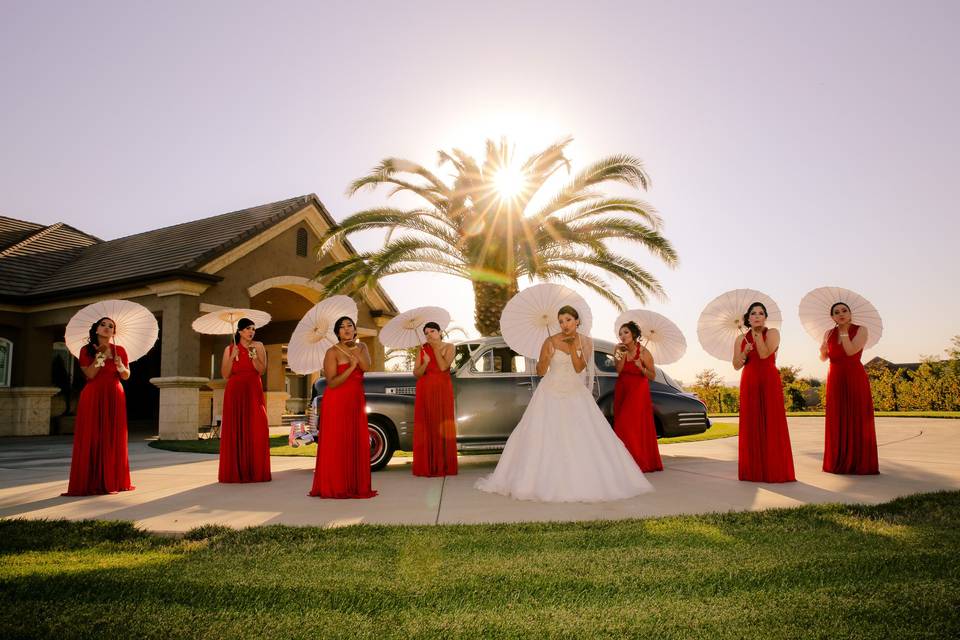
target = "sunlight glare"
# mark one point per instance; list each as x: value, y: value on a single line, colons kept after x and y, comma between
x: 510, y: 182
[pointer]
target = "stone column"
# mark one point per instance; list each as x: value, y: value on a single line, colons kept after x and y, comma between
x: 180, y: 344
x: 218, y: 385
x: 205, y: 408
x: 36, y: 351
x: 377, y: 353
x: 179, y: 406
x: 275, y: 394
x: 25, y: 411
x: 276, y: 402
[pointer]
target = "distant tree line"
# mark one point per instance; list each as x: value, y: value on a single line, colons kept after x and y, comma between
x: 933, y: 386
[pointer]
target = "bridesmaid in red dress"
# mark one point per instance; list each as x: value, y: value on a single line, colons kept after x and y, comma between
x: 245, y: 434
x: 100, y: 463
x: 764, y: 441
x: 851, y: 439
x: 632, y: 407
x: 434, y: 426
x: 343, y: 450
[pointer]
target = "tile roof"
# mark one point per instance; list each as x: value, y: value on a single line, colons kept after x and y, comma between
x: 30, y: 262
x: 47, y: 261
x: 13, y: 231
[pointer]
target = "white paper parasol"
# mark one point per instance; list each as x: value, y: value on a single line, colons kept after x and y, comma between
x: 722, y: 320
x: 531, y: 315
x: 314, y: 333
x: 657, y: 333
x: 815, y: 313
x: 406, y: 330
x: 224, y: 321
x: 136, y: 327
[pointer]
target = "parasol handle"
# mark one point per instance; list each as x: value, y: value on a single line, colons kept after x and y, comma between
x: 420, y: 353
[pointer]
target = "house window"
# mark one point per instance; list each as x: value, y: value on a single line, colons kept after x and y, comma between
x: 6, y: 361
x: 302, y: 242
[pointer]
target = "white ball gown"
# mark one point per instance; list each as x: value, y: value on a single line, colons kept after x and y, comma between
x: 564, y: 450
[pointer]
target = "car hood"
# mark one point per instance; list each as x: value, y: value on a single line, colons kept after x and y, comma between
x: 379, y: 382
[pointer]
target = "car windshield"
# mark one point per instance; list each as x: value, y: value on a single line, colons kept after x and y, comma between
x: 463, y: 353
x: 663, y: 378
x: 604, y: 362
x: 500, y: 360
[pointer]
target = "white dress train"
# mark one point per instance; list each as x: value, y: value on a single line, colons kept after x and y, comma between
x: 564, y: 450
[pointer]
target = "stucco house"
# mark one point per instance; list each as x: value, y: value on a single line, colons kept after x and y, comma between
x: 264, y: 257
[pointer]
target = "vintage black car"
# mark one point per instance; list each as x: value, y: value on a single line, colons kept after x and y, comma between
x: 492, y: 385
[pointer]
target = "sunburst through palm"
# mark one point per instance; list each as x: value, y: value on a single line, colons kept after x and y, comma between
x: 486, y: 224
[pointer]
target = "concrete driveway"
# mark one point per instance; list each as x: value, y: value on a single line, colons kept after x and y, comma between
x: 178, y: 491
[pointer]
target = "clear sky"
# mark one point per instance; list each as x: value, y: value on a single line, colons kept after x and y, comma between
x: 791, y: 145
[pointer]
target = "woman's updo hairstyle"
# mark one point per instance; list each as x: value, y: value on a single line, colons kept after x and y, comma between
x: 746, y: 316
x: 241, y: 325
x: 570, y: 311
x: 93, y: 340
x: 837, y: 304
x: 633, y: 328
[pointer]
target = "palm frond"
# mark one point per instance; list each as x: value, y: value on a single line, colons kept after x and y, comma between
x: 607, y: 206
x: 423, y: 220
x: 585, y: 278
x: 413, y: 248
x: 640, y: 281
x: 620, y: 228
x: 386, y: 173
x: 621, y: 169
x: 401, y: 255
x: 553, y: 232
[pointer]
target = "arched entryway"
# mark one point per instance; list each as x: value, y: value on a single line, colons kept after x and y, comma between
x: 287, y: 393
x: 287, y: 299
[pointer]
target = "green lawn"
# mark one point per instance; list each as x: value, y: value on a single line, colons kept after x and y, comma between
x: 279, y: 446
x: 881, y: 414
x: 716, y: 430
x: 887, y: 571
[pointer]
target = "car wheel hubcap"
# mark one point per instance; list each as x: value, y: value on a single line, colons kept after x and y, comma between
x: 378, y: 443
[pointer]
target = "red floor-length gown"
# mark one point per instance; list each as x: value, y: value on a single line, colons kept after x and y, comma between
x: 343, y: 451
x: 434, y: 426
x: 633, y: 416
x: 850, y: 443
x: 764, y: 441
x: 100, y: 463
x: 244, y: 432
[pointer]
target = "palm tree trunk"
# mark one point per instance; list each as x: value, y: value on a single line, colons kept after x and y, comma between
x: 489, y: 300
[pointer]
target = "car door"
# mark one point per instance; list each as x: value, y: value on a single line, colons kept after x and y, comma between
x: 492, y: 392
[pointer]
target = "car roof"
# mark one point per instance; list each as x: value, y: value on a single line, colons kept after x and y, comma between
x: 605, y: 345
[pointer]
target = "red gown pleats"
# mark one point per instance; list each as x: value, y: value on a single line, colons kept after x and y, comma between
x: 434, y: 425
x: 633, y: 417
x: 850, y: 439
x: 245, y: 432
x: 765, y: 454
x: 99, y: 464
x: 343, y: 451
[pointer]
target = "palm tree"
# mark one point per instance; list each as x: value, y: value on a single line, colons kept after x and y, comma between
x: 478, y: 229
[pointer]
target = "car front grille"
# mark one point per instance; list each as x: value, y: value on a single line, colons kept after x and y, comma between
x: 691, y: 419
x: 400, y: 391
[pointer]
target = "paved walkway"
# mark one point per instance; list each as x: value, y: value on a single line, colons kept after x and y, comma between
x: 178, y: 491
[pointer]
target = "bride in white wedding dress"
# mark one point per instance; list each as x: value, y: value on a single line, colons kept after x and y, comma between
x: 564, y: 450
